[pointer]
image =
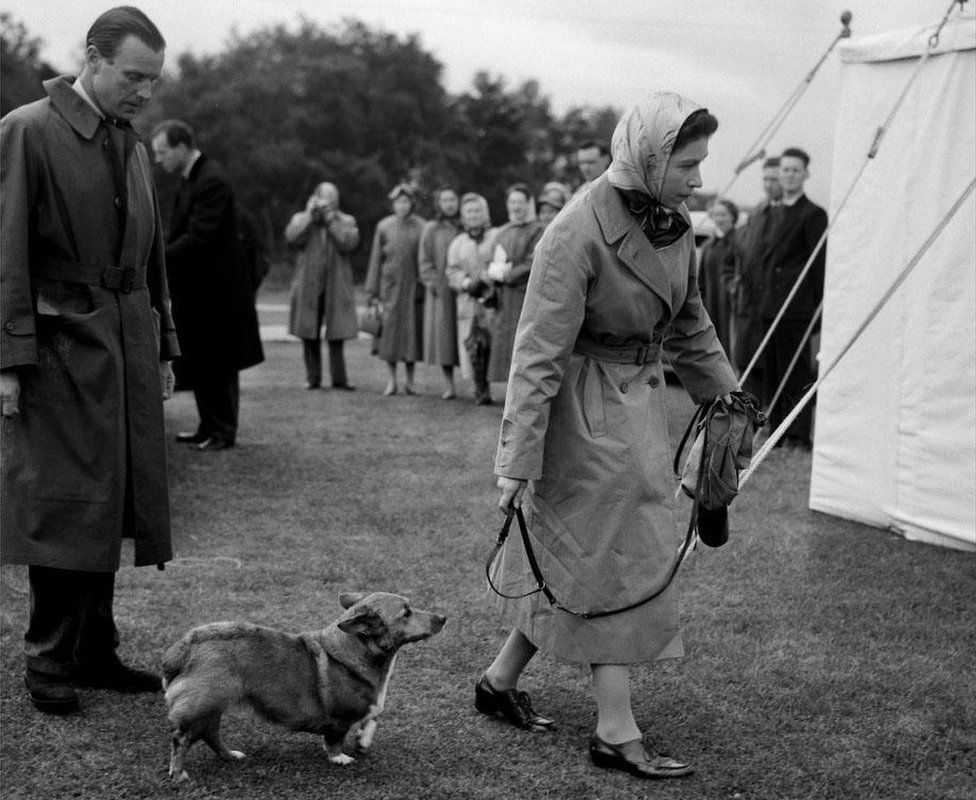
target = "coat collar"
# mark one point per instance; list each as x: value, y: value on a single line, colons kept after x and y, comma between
x: 634, y: 251
x: 72, y: 106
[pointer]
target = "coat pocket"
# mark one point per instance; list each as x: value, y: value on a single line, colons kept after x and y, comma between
x: 593, y: 401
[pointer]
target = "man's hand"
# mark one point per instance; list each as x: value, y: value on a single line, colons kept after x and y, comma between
x: 9, y: 393
x: 167, y: 378
x: 511, y: 491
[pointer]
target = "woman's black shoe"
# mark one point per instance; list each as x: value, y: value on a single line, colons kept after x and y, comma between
x: 513, y: 705
x: 632, y: 757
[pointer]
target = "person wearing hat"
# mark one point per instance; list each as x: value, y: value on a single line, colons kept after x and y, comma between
x: 393, y: 283
x: 584, y: 445
x: 552, y: 200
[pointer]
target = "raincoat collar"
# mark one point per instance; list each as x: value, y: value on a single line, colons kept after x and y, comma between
x: 73, y: 107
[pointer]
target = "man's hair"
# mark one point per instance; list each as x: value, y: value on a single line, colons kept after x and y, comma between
x: 796, y: 152
x: 700, y: 124
x: 108, y: 31
x: 772, y: 161
x: 177, y: 132
x: 602, y: 147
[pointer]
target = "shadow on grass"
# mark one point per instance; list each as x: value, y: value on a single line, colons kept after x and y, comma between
x: 825, y: 659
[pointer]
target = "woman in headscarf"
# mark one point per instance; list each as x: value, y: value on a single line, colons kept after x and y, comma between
x: 393, y: 282
x: 718, y: 266
x: 584, y: 444
x: 440, y: 307
x: 509, y: 273
x: 467, y: 265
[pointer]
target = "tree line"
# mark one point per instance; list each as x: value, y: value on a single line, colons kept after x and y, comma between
x: 283, y: 109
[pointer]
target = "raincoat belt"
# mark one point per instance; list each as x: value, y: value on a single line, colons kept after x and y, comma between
x: 117, y: 279
x: 640, y: 354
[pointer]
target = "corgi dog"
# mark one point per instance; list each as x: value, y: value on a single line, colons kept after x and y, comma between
x: 328, y: 682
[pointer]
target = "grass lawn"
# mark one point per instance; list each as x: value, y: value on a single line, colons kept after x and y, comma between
x: 824, y: 659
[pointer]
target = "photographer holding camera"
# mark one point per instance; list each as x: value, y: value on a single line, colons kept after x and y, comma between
x: 323, y: 288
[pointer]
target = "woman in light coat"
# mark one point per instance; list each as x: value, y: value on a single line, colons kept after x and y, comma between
x: 393, y: 282
x: 440, y: 307
x: 467, y: 264
x: 323, y: 287
x: 584, y: 438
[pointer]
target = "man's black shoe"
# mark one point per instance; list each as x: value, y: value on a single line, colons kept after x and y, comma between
x: 52, y: 694
x: 118, y: 677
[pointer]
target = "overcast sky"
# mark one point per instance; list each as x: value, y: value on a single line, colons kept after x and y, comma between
x: 740, y: 58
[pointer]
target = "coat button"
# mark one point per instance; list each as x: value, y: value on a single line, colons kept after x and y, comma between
x: 624, y: 387
x: 653, y: 381
x: 118, y: 202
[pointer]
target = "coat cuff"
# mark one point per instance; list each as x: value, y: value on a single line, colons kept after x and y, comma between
x: 18, y: 342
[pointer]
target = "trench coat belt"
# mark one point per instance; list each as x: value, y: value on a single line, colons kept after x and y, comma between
x: 117, y: 279
x: 640, y: 354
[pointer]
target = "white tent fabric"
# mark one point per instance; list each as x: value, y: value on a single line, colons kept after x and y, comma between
x: 895, y: 436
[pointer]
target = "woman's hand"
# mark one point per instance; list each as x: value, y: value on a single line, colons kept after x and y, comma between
x: 511, y: 491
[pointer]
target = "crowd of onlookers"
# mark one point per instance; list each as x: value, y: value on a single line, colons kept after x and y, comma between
x: 448, y: 291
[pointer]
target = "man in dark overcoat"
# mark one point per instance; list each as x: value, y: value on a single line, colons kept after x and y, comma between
x: 211, y: 285
x: 87, y: 340
x: 799, y: 226
x: 754, y: 239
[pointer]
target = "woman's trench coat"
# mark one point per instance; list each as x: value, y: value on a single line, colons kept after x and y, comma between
x: 440, y: 306
x: 323, y: 269
x: 394, y: 279
x: 90, y: 427
x: 585, y: 422
x: 519, y: 241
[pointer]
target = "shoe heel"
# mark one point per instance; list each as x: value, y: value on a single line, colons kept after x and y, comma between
x: 605, y: 760
x: 485, y: 703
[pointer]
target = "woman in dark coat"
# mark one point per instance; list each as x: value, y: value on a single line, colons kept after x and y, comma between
x: 393, y: 282
x: 717, y: 269
x: 584, y: 436
x: 440, y: 307
x: 509, y: 273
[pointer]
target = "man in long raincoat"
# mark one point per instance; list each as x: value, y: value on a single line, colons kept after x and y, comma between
x: 86, y: 343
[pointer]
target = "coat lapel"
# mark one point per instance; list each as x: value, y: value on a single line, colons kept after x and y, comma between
x: 181, y: 207
x: 635, y: 252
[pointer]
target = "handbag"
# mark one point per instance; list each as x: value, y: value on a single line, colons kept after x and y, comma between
x: 370, y: 320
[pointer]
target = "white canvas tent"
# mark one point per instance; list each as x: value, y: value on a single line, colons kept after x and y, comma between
x: 895, y: 438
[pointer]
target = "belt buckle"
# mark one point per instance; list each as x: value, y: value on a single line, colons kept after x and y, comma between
x: 641, y: 357
x: 119, y: 279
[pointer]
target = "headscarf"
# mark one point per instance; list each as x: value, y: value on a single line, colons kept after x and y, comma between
x: 477, y: 230
x: 641, y: 146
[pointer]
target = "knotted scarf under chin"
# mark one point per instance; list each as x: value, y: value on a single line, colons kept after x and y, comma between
x: 661, y: 225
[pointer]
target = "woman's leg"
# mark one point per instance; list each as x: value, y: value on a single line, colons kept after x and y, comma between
x: 391, y: 385
x: 449, y: 390
x: 615, y: 721
x: 505, y: 670
x: 408, y: 384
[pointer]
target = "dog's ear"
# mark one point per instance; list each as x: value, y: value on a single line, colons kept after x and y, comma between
x: 360, y: 622
x: 347, y: 599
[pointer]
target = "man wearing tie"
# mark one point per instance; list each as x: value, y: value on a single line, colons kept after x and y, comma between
x: 212, y: 288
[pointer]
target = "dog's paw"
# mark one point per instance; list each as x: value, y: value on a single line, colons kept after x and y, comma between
x: 341, y: 759
x: 234, y: 755
x: 179, y: 778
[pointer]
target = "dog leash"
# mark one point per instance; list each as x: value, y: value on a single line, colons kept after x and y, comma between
x: 700, y: 417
